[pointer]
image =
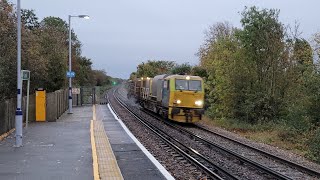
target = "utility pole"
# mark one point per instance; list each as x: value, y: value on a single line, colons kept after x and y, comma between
x: 70, y: 63
x: 19, y: 80
x: 70, y: 79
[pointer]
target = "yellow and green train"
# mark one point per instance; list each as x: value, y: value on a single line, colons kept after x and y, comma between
x: 176, y: 97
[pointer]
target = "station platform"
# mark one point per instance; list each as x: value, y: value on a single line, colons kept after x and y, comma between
x: 58, y: 150
x: 91, y: 143
x: 134, y: 161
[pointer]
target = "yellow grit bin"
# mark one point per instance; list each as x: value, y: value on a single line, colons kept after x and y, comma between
x: 41, y: 105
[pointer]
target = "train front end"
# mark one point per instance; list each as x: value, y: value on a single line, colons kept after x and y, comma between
x: 186, y: 98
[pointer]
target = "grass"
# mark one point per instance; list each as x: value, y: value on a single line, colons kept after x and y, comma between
x: 269, y: 133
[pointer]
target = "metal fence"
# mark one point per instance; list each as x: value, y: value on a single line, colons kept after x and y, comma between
x: 87, y: 96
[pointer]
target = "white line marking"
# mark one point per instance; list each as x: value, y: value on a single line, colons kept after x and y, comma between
x: 166, y: 174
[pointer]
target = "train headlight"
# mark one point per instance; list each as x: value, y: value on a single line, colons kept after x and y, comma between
x: 177, y: 101
x: 198, y: 103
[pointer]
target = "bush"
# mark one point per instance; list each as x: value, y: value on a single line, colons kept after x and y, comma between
x: 288, y: 134
x: 243, y: 126
x: 314, y: 147
x: 294, y: 126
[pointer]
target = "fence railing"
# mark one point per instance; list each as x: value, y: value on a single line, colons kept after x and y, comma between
x: 57, y: 104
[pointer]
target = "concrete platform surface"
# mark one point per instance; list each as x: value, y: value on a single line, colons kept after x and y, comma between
x: 132, y: 160
x: 52, y: 150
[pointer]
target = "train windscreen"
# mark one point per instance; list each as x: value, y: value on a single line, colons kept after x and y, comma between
x: 191, y: 85
x: 181, y: 84
x: 195, y: 85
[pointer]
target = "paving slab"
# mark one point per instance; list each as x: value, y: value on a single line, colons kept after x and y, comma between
x: 51, y: 150
x: 133, y: 162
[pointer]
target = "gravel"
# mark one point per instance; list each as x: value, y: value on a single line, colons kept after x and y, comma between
x: 181, y: 169
x: 268, y: 148
x: 178, y: 169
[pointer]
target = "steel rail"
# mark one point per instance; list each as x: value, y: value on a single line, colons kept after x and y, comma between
x: 241, y: 158
x: 160, y: 133
x: 284, y: 161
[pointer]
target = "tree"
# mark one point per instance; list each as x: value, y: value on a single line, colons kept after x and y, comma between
x: 199, y: 71
x: 262, y: 39
x: 153, y: 68
x: 218, y: 31
x: 219, y: 56
x: 29, y: 19
x: 133, y: 76
x: 44, y: 52
x: 55, y: 51
x: 302, y: 94
x: 302, y: 52
x: 184, y: 68
x: 84, y: 72
x: 100, y: 78
x: 8, y: 48
x: 262, y: 73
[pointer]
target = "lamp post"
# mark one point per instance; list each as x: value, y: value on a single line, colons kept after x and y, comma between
x: 18, y: 119
x: 70, y: 78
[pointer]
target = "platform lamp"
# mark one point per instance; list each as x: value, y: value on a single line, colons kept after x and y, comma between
x: 70, y: 77
x: 18, y: 118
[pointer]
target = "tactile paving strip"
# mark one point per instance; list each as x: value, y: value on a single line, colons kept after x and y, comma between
x: 107, y: 163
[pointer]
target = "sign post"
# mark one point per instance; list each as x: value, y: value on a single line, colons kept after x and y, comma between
x: 71, y: 74
x: 26, y: 77
x: 77, y: 92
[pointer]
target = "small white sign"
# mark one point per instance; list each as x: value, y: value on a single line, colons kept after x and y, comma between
x: 25, y: 74
x: 75, y: 90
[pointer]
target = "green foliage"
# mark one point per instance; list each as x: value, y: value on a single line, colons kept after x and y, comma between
x: 133, y: 76
x: 259, y: 75
x: 314, y: 146
x: 7, y: 50
x: 116, y: 81
x: 184, y: 68
x: 44, y: 52
x: 242, y: 126
x: 220, y: 57
x: 55, y: 23
x: 244, y: 67
x: 100, y: 78
x: 29, y: 19
x: 55, y: 51
x: 301, y: 99
x: 199, y: 71
x: 303, y: 52
x: 152, y: 68
x: 262, y: 42
x: 84, y: 72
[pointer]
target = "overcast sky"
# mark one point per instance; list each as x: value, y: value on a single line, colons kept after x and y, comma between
x: 123, y: 33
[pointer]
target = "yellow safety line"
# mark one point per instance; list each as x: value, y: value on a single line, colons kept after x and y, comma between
x: 94, y: 154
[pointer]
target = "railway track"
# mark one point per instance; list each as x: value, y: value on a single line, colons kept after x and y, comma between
x: 241, y: 158
x: 274, y: 171
x: 264, y: 153
x: 184, y: 152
